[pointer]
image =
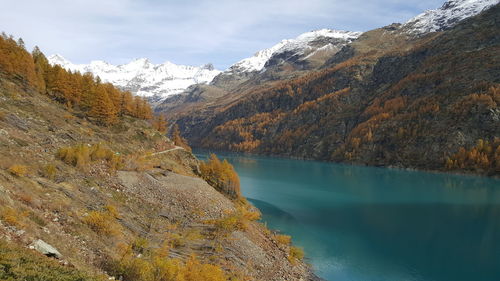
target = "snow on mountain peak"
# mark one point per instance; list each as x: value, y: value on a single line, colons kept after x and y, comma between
x: 144, y: 78
x: 298, y: 45
x: 452, y: 12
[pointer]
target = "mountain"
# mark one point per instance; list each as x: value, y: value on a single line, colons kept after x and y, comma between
x: 388, y: 98
x: 447, y: 16
x: 304, y: 46
x: 289, y: 58
x: 141, y: 77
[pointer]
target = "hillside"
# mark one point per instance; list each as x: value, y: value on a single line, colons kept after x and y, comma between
x: 89, y: 183
x: 387, y: 99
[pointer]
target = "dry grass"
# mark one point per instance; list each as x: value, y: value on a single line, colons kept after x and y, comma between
x: 50, y: 171
x: 13, y: 217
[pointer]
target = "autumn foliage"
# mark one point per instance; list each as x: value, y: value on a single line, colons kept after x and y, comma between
x: 157, y: 266
x: 178, y: 139
x: 160, y: 123
x: 484, y: 156
x: 102, y: 102
x: 222, y: 176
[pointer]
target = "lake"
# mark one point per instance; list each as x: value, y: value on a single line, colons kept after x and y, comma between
x: 371, y: 224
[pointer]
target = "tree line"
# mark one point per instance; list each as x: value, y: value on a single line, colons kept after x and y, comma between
x: 102, y: 102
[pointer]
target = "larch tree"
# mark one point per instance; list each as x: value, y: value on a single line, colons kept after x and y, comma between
x: 160, y: 123
x: 103, y: 109
x: 178, y: 139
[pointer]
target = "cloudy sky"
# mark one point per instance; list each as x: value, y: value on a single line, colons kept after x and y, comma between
x: 192, y: 32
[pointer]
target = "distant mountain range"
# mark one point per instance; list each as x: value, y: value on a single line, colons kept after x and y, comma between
x: 140, y: 76
x: 309, y: 50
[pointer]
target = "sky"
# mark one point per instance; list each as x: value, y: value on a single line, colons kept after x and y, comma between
x: 190, y: 32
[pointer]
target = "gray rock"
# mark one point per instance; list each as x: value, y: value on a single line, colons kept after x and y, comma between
x: 46, y: 249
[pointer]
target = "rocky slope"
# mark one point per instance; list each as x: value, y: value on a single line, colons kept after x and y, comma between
x: 388, y: 98
x: 141, y: 77
x: 110, y: 207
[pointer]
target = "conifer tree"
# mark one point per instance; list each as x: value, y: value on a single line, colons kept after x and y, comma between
x: 160, y: 123
x: 178, y: 139
x: 103, y: 109
x: 126, y: 105
x: 41, y: 68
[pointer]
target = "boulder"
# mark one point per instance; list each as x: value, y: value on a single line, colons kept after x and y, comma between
x: 46, y: 249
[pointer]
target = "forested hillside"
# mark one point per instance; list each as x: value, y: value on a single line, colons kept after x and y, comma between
x: 90, y: 189
x: 387, y: 99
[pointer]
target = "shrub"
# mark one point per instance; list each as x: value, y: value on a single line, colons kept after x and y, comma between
x: 158, y: 267
x: 113, y: 211
x: 50, y: 171
x: 81, y: 155
x: 295, y: 254
x: 251, y: 215
x: 233, y: 221
x: 102, y: 223
x: 140, y: 244
x: 78, y: 156
x: 18, y: 170
x: 283, y: 239
x: 197, y: 271
x: 222, y: 176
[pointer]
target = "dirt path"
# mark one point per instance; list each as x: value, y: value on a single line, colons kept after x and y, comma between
x: 168, y: 150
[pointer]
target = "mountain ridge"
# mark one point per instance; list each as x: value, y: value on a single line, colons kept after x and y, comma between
x: 143, y: 78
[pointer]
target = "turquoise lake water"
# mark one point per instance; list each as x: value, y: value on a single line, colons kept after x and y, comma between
x: 371, y: 224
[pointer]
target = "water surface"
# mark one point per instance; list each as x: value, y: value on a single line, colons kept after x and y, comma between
x: 364, y: 223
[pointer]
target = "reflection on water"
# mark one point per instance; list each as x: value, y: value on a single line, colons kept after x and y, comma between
x: 362, y: 223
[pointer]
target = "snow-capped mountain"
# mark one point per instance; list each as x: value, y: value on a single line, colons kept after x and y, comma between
x: 448, y: 15
x: 155, y: 81
x: 305, y: 45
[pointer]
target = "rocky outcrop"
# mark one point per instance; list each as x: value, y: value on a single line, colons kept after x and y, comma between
x: 45, y: 249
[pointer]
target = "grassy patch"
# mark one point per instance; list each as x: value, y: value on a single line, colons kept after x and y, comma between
x: 18, y: 263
